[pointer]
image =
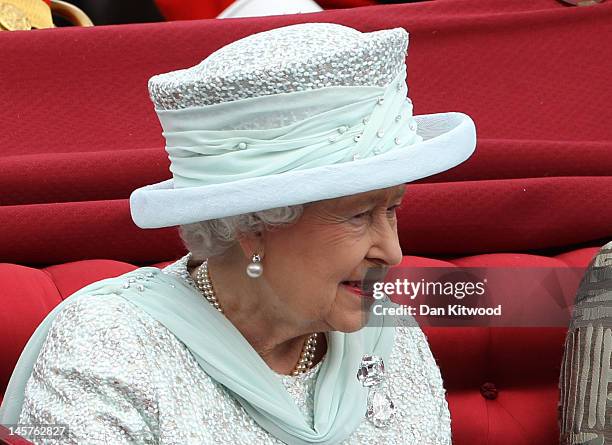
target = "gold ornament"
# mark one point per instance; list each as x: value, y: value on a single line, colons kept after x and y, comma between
x: 13, y: 19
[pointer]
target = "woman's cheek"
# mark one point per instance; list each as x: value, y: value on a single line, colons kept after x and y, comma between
x: 355, y: 234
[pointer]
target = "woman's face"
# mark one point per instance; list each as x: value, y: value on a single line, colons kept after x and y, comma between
x: 309, y: 265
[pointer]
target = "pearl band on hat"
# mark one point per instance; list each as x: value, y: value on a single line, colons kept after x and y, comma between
x: 203, y: 157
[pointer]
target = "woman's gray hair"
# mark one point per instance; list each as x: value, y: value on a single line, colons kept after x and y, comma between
x: 213, y: 237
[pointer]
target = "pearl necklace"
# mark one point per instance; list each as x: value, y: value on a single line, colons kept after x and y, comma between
x: 310, y: 345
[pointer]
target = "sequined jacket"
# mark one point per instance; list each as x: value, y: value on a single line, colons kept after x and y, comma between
x: 114, y: 375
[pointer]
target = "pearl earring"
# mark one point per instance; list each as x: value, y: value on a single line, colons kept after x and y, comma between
x: 255, y: 268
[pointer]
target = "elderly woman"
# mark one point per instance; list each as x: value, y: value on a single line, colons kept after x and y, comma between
x: 289, y: 150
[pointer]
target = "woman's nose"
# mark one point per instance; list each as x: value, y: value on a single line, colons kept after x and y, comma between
x: 386, y: 247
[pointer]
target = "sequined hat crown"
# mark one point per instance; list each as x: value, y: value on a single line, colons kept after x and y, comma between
x: 293, y: 58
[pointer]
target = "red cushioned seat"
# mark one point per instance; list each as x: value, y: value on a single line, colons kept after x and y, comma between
x: 79, y: 134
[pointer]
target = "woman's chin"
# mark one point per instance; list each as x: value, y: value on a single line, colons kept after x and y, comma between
x: 346, y: 324
x: 354, y: 326
x: 352, y: 310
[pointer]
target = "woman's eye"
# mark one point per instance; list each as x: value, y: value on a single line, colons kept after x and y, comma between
x: 361, y: 215
x: 391, y: 211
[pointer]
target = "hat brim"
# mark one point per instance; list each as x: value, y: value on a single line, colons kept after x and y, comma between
x: 448, y: 140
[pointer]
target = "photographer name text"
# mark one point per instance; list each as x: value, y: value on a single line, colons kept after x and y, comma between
x: 448, y: 310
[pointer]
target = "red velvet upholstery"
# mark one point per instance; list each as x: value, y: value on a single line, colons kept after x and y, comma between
x: 79, y: 133
x: 209, y: 9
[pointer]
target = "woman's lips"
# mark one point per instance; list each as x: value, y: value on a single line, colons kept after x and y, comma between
x: 355, y: 288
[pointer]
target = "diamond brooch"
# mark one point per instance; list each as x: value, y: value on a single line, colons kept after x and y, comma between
x: 381, y: 409
x: 371, y: 371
